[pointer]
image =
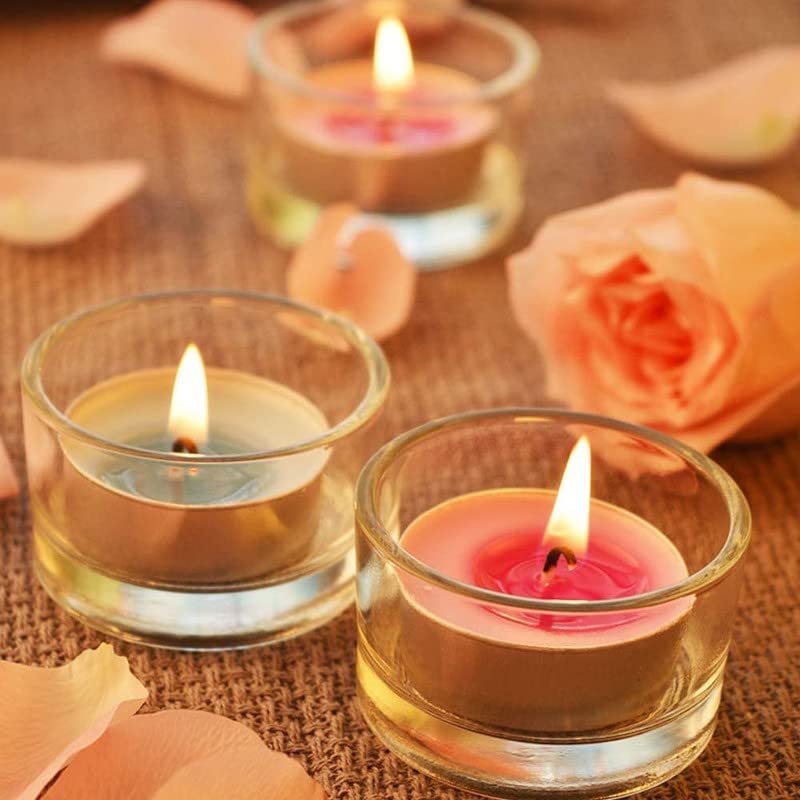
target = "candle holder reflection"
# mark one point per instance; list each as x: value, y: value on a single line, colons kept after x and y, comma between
x: 206, y: 508
x: 594, y: 679
x: 429, y: 138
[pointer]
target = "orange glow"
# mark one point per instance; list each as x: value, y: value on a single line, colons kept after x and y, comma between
x: 188, y: 411
x: 568, y: 525
x: 393, y: 64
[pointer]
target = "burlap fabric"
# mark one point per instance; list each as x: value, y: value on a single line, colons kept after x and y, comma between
x: 461, y: 350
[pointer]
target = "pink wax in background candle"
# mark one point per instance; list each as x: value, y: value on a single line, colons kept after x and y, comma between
x: 493, y: 539
x: 370, y: 129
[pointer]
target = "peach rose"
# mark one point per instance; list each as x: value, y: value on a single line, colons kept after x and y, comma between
x: 678, y: 309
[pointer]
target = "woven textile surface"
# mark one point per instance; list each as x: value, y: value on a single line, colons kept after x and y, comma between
x: 461, y: 350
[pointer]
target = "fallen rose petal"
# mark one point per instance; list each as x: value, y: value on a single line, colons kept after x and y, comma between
x: 314, y: 330
x: 241, y: 774
x: 742, y: 113
x: 183, y: 754
x: 45, y: 203
x: 198, y: 42
x: 49, y: 715
x: 9, y: 486
x: 356, y: 269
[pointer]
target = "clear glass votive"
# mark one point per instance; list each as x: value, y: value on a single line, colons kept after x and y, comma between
x: 247, y: 541
x: 441, y: 163
x: 522, y: 695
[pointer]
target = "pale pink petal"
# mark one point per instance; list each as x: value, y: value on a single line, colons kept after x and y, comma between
x: 241, y: 774
x: 766, y: 416
x: 45, y: 203
x: 749, y: 238
x: 569, y: 248
x: 198, y: 42
x: 9, y: 485
x: 183, y: 754
x: 49, y: 715
x: 355, y: 268
x: 316, y: 330
x: 744, y: 112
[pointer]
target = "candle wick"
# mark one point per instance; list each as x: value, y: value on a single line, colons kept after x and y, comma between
x: 183, y: 444
x: 555, y: 554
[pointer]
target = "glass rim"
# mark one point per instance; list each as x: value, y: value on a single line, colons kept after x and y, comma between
x: 368, y: 518
x: 525, y: 65
x: 372, y: 356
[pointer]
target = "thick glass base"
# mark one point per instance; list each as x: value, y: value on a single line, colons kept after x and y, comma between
x: 185, y: 619
x: 433, y: 240
x: 583, y: 768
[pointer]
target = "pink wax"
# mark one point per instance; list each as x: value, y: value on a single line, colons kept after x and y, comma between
x: 365, y: 119
x: 493, y: 540
x: 411, y: 132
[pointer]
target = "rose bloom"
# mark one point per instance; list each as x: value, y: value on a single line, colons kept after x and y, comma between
x: 678, y: 309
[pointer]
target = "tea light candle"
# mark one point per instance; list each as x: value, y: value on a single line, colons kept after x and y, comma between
x: 541, y: 671
x: 412, y: 139
x: 172, y: 521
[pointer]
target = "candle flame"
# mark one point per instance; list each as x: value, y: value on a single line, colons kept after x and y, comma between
x: 188, y: 411
x: 392, y: 64
x: 568, y: 525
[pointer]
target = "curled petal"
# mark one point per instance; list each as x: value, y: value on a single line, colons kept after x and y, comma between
x: 742, y: 113
x: 9, y: 486
x: 174, y: 755
x: 198, y: 42
x: 355, y: 268
x: 716, y: 214
x: 49, y: 715
x: 763, y: 417
x: 45, y: 203
x: 569, y: 250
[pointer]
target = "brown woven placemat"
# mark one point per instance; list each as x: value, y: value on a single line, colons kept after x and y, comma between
x: 461, y: 350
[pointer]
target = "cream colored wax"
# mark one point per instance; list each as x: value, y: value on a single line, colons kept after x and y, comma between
x: 148, y: 520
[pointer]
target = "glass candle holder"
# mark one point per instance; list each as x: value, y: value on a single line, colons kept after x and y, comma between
x: 246, y: 541
x: 472, y: 677
x: 440, y: 161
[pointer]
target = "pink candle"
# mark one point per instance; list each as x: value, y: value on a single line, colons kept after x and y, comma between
x: 517, y: 668
x: 397, y: 139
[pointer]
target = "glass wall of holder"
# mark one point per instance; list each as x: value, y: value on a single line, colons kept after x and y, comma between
x: 248, y: 538
x: 523, y: 696
x: 441, y: 161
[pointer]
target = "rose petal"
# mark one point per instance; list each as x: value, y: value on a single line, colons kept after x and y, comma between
x: 774, y: 413
x: 45, y: 203
x: 198, y: 42
x: 749, y: 238
x: 354, y: 268
x: 241, y: 774
x: 49, y: 715
x: 741, y: 113
x: 599, y: 238
x: 9, y: 486
x: 183, y: 754
x: 779, y: 415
